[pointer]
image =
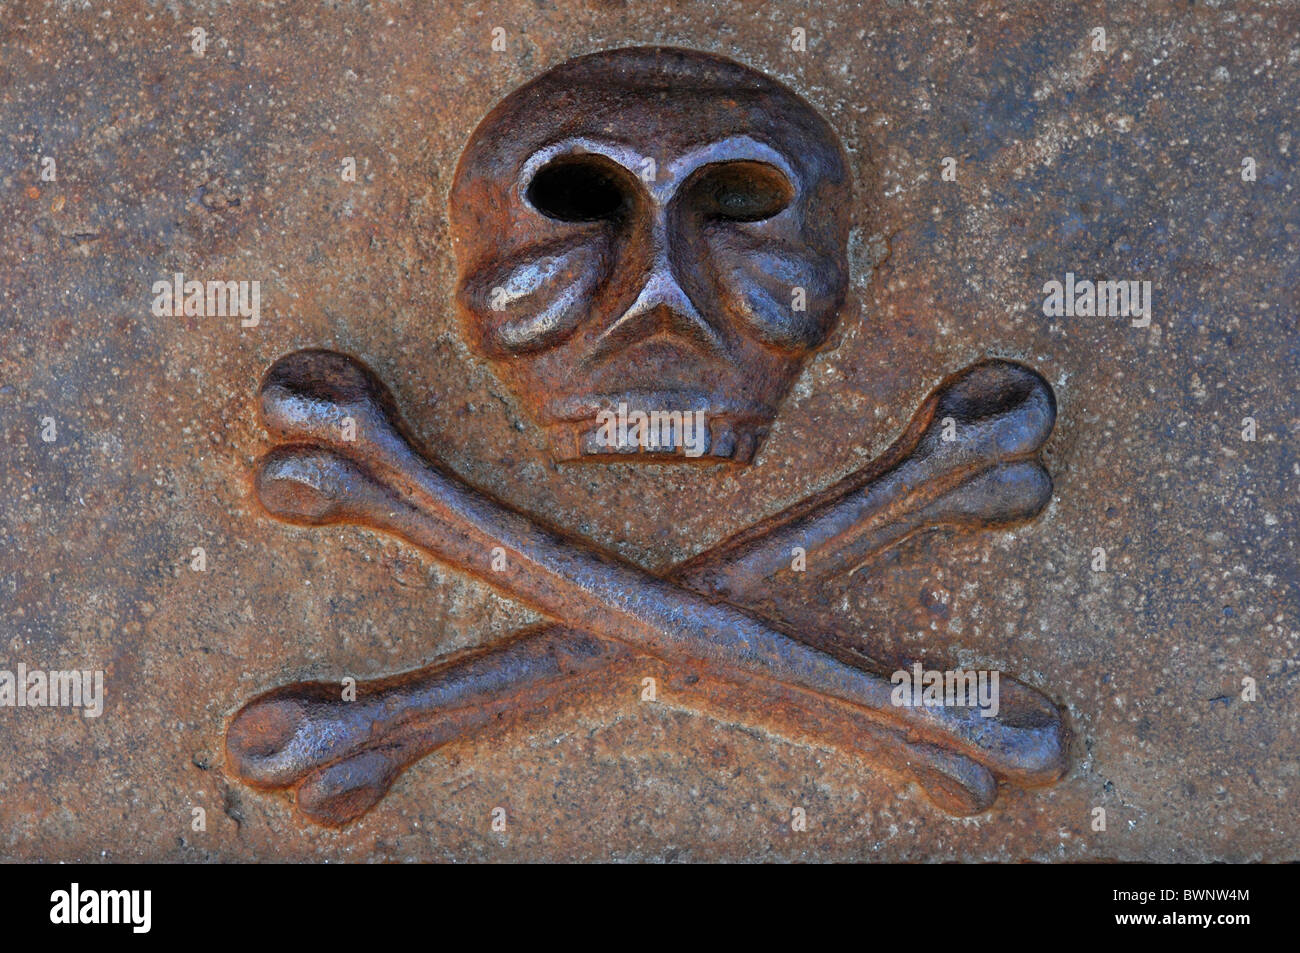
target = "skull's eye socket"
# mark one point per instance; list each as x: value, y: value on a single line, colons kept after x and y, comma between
x: 741, y: 191
x: 580, y: 189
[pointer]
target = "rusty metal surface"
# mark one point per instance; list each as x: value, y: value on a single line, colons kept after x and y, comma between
x: 1123, y: 163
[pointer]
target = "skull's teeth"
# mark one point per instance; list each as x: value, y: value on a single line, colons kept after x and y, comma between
x: 746, y: 444
x: 590, y: 444
x: 725, y: 440
x: 722, y: 439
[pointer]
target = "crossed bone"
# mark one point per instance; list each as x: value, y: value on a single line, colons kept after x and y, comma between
x: 343, y: 756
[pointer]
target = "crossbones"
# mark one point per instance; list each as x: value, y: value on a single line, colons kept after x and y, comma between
x: 343, y: 756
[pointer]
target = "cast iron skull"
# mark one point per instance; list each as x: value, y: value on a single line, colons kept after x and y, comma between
x: 654, y: 227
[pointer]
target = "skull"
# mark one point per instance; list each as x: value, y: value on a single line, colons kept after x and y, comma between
x: 654, y: 228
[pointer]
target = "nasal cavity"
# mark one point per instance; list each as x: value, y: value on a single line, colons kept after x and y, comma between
x: 580, y: 189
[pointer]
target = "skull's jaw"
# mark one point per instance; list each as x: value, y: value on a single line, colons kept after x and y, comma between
x: 655, y: 427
